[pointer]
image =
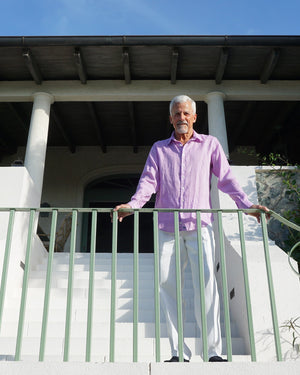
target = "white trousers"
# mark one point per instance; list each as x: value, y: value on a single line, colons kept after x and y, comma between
x: 189, y: 252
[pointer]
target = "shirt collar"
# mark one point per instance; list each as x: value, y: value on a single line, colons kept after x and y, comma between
x: 195, y: 137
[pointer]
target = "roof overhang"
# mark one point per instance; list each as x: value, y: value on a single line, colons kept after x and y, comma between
x: 120, y: 83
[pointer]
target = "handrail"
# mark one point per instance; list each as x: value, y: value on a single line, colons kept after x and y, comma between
x: 150, y: 210
x: 292, y: 226
x: 142, y: 210
x: 285, y: 221
x: 290, y: 256
x: 154, y: 211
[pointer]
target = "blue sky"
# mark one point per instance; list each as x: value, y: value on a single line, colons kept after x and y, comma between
x: 149, y: 17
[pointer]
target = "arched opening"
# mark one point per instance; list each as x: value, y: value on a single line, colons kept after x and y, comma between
x: 107, y: 193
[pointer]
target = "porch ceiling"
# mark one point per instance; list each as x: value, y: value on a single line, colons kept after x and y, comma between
x: 270, y: 126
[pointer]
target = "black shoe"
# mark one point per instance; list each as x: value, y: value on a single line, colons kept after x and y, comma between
x: 216, y: 358
x: 176, y: 359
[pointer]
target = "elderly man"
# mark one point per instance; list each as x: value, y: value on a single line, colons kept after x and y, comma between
x: 179, y: 171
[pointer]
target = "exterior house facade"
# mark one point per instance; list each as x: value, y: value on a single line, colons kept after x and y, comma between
x: 78, y: 118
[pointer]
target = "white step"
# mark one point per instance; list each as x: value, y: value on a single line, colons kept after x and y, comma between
x: 101, y: 312
x: 100, y: 329
x: 98, y: 267
x: 122, y: 259
x: 36, y: 300
x: 97, y: 359
x: 80, y: 314
x: 38, y: 293
x: 79, y: 282
x: 123, y: 346
x: 38, y: 274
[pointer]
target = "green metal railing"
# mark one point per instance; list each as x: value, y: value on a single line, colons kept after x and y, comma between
x: 113, y: 298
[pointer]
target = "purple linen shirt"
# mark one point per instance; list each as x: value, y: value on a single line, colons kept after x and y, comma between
x: 180, y: 175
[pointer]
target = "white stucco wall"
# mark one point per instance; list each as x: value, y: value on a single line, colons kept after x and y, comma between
x: 17, y: 190
x: 66, y: 175
x: 286, y: 283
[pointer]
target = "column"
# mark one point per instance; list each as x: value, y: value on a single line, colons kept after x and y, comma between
x: 216, y: 118
x: 37, y: 138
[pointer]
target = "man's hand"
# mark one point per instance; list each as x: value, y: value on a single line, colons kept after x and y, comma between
x: 121, y: 215
x: 257, y: 214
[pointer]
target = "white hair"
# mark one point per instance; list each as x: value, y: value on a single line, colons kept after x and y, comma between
x: 182, y: 99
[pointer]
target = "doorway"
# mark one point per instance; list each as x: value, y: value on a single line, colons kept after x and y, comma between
x: 107, y: 193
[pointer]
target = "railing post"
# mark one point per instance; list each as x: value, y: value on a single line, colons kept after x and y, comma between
x: 156, y: 286
x: 6, y: 262
x: 247, y: 288
x: 91, y: 288
x: 113, y: 287
x: 48, y: 286
x: 202, y: 289
x: 25, y: 286
x: 178, y: 287
x: 70, y: 287
x: 225, y: 288
x: 271, y: 287
x: 135, y: 285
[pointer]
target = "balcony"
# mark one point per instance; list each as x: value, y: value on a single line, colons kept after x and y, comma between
x: 105, y: 307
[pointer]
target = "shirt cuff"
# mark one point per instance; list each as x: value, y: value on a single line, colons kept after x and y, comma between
x: 133, y: 204
x: 244, y: 204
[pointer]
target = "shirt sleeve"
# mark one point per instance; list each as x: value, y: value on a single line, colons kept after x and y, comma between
x: 227, y: 182
x: 149, y: 181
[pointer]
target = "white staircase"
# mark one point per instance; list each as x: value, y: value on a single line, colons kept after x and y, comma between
x: 101, y: 314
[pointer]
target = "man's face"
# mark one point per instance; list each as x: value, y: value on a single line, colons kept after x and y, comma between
x: 183, y: 118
